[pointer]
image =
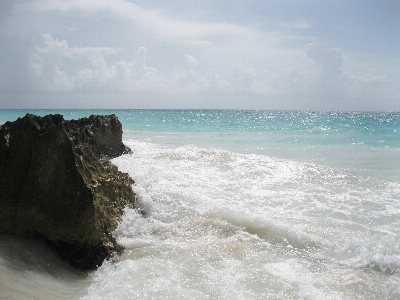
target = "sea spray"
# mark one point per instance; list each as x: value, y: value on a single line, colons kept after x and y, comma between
x: 220, y: 229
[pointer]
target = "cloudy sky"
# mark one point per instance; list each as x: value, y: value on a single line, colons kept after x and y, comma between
x: 248, y: 54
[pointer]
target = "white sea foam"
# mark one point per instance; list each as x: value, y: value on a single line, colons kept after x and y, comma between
x: 224, y: 225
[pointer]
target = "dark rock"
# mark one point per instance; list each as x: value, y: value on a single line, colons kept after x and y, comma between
x: 57, y: 183
x: 104, y: 132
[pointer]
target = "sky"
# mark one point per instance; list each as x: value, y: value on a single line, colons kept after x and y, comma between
x: 200, y: 54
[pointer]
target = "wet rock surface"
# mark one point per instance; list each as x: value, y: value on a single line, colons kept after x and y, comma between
x: 57, y: 184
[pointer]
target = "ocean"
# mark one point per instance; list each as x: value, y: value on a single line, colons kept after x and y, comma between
x: 240, y: 205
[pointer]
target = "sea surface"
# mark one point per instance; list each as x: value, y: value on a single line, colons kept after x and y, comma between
x: 240, y: 205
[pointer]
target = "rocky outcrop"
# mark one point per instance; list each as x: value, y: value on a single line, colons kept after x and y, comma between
x: 57, y: 184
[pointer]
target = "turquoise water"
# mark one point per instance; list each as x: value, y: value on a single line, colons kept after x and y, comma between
x: 366, y: 143
x: 373, y: 129
x: 241, y: 205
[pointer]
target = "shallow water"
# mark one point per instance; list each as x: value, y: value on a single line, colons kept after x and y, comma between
x: 30, y: 270
x: 237, y: 213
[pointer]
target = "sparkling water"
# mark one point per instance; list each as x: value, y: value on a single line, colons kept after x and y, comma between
x: 240, y: 205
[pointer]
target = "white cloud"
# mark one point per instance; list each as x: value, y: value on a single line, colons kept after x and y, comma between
x: 53, y: 63
x: 55, y: 66
x: 219, y: 85
x: 242, y: 76
x: 157, y: 20
x: 317, y: 70
x: 50, y: 66
x: 85, y: 75
x: 298, y: 24
x: 191, y: 60
x: 166, y: 52
x: 329, y: 60
x: 36, y: 66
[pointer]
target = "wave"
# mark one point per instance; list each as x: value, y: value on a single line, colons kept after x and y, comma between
x: 219, y: 216
x: 273, y: 198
